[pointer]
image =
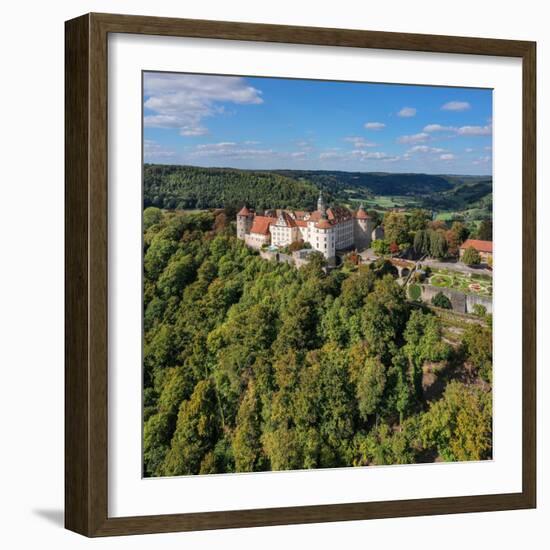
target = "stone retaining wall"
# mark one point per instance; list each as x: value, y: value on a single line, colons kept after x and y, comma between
x: 461, y: 302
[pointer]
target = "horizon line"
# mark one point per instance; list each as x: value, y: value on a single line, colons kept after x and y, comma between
x: 315, y: 170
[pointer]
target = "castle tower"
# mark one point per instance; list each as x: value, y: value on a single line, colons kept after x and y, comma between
x: 324, y: 240
x: 321, y: 207
x: 362, y: 229
x: 244, y: 222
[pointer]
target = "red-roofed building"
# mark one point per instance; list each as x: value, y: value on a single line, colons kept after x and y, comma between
x: 259, y: 232
x: 485, y: 249
x: 326, y: 229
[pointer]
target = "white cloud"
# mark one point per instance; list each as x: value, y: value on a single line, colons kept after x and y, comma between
x: 482, y: 160
x: 469, y: 150
x: 359, y: 142
x: 221, y: 146
x: 357, y: 155
x: 462, y: 130
x: 154, y: 151
x: 368, y: 155
x: 330, y: 155
x: 182, y: 101
x: 425, y: 149
x: 230, y: 149
x: 456, y: 106
x: 374, y: 125
x: 407, y: 112
x: 475, y: 130
x: 242, y: 151
x: 414, y: 138
x: 447, y: 156
x: 439, y: 128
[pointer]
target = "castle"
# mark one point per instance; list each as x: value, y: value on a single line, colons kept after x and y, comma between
x: 327, y: 230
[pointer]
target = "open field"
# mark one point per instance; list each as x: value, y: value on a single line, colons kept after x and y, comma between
x: 384, y: 202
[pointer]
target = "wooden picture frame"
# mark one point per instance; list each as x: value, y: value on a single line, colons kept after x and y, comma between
x: 86, y: 283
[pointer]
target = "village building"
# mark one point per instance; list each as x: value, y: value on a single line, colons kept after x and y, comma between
x: 327, y: 230
x: 484, y: 248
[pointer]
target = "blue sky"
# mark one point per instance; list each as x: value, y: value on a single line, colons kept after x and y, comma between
x: 269, y: 123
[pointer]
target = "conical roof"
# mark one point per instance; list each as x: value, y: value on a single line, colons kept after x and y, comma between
x: 361, y: 214
x: 244, y: 211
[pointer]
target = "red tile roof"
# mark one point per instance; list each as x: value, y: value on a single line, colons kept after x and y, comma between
x: 244, y: 211
x: 315, y: 216
x: 323, y: 224
x: 480, y: 246
x: 289, y: 221
x: 301, y: 223
x: 338, y: 214
x: 261, y: 224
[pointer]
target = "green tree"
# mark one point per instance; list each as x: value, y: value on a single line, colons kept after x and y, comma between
x: 381, y: 247
x: 418, y: 218
x: 196, y: 432
x: 384, y: 317
x: 151, y: 216
x: 440, y: 300
x: 485, y: 231
x: 478, y: 345
x: 396, y: 228
x: 415, y: 292
x: 459, y: 425
x: 370, y: 384
x: 471, y: 256
x: 438, y: 244
x: 246, y: 440
x: 177, y: 274
x: 424, y: 342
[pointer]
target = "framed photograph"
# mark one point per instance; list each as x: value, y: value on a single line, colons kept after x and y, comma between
x: 300, y: 275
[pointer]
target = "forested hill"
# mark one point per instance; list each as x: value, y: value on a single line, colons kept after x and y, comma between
x: 377, y: 183
x: 252, y: 365
x: 189, y: 187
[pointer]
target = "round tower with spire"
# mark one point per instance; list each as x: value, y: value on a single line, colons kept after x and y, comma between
x: 362, y: 229
x: 244, y: 222
x: 321, y: 207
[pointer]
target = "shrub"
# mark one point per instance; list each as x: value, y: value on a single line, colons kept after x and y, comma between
x: 440, y: 300
x: 414, y: 292
x: 480, y: 310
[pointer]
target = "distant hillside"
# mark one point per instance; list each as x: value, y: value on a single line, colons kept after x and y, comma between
x: 463, y: 196
x: 189, y: 187
x: 376, y: 183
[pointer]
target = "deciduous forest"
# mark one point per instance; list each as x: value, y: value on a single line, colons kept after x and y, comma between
x: 251, y: 365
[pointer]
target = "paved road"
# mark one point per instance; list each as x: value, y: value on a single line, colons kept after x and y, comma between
x: 456, y: 266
